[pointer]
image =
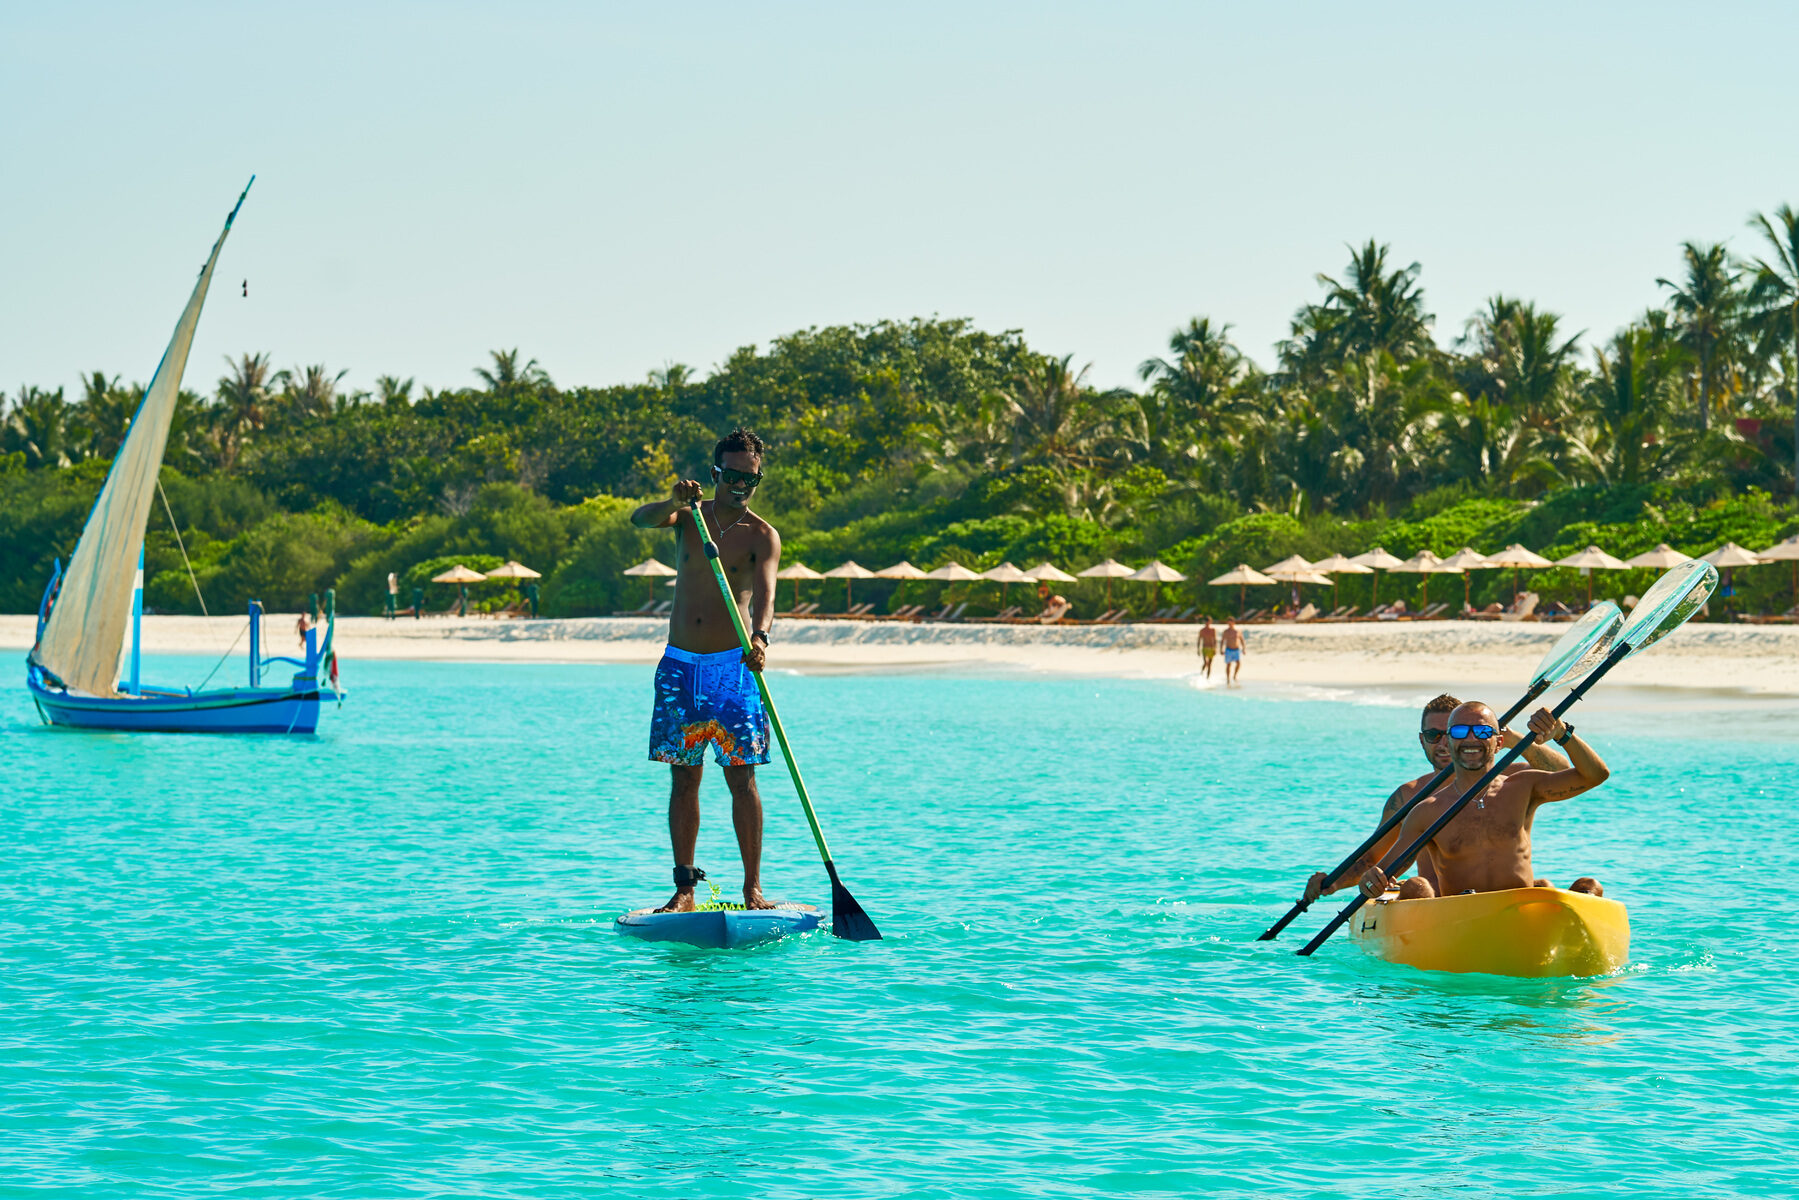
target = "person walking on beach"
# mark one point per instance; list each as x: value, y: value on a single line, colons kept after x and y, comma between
x: 1234, y: 649
x: 1486, y: 848
x: 705, y: 694
x: 1433, y: 738
x: 393, y: 595
x: 1208, y: 647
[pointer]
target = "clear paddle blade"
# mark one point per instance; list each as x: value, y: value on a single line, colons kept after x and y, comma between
x: 1677, y: 595
x: 1579, y: 650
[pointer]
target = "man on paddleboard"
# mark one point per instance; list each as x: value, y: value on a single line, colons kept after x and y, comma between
x: 1486, y: 847
x: 1433, y: 737
x: 705, y: 695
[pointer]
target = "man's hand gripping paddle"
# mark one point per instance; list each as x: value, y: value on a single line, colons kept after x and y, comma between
x: 847, y: 918
x: 1573, y: 655
x: 1676, y: 596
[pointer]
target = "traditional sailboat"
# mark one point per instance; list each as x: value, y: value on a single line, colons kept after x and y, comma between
x: 75, y: 672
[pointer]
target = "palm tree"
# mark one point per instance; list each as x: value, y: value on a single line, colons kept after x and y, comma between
x: 1632, y: 390
x: 243, y: 405
x: 1058, y: 421
x: 310, y: 391
x: 38, y: 426
x: 1373, y: 309
x: 1774, y: 301
x: 1191, y: 394
x: 1521, y: 367
x: 393, y: 392
x: 507, y: 372
x: 1706, y: 302
x: 104, y: 414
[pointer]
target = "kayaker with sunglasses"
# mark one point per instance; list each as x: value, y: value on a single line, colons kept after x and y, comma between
x: 1486, y: 848
x: 1433, y: 738
x: 704, y: 693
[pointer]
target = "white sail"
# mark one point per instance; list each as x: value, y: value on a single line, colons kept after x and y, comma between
x: 86, y: 631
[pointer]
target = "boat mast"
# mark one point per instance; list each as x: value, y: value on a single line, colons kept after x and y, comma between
x: 137, y: 622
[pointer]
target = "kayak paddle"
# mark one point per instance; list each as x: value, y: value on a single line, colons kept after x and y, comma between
x: 1676, y: 596
x: 1573, y: 654
x: 848, y: 920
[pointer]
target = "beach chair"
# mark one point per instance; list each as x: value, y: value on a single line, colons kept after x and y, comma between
x: 908, y: 613
x: 1433, y: 613
x: 1054, y: 611
x: 642, y: 611
x: 1003, y: 615
x: 941, y: 614
x: 956, y: 613
x: 1526, y: 610
x: 662, y: 609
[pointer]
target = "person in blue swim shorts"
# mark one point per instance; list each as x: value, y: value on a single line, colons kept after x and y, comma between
x: 705, y: 694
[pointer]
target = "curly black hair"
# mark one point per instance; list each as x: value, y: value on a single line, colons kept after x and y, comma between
x: 738, y: 440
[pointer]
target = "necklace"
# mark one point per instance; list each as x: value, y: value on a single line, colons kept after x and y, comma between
x: 732, y: 525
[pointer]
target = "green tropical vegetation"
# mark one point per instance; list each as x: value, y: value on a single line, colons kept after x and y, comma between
x: 929, y: 440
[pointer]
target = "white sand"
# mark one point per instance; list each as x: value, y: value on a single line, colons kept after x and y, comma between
x: 1750, y: 660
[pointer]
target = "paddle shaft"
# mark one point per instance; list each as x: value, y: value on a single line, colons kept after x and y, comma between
x: 1618, y: 654
x: 768, y: 701
x: 1391, y: 823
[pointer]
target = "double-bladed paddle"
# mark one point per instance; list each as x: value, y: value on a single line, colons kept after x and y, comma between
x: 848, y: 920
x: 1676, y: 596
x: 1573, y: 654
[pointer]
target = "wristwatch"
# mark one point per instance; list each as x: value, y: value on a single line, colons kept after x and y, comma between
x: 1567, y: 732
x: 763, y: 634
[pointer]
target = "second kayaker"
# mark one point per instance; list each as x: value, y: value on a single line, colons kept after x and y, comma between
x: 1433, y: 739
x: 1486, y: 848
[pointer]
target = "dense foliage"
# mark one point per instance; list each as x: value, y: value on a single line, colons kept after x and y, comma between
x: 930, y: 439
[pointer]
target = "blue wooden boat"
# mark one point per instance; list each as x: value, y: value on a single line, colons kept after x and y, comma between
x: 74, y: 671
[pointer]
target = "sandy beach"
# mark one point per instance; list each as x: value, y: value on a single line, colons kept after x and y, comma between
x: 1747, y: 660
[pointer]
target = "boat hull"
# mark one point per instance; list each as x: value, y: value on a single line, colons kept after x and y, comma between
x: 719, y: 928
x: 224, y: 710
x: 1528, y: 932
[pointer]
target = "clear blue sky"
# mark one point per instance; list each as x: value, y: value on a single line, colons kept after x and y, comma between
x: 614, y: 187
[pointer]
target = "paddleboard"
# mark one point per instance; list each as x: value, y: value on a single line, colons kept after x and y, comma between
x: 719, y: 926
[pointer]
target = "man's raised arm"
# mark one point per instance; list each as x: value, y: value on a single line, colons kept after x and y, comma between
x: 1588, y: 770
x: 661, y: 514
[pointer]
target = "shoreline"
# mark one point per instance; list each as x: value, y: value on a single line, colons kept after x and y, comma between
x: 1745, y: 660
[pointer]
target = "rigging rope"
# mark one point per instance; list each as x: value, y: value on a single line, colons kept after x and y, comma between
x: 182, y: 546
x: 222, y: 658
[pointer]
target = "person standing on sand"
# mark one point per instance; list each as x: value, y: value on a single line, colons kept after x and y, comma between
x: 1234, y: 650
x: 1486, y: 847
x: 1208, y: 647
x: 393, y: 595
x: 1433, y: 737
x: 704, y: 692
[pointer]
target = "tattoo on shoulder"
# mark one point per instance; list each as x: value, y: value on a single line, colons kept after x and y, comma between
x: 1399, y: 797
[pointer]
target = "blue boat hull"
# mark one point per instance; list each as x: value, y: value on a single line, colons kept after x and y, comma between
x: 719, y: 928
x: 222, y: 710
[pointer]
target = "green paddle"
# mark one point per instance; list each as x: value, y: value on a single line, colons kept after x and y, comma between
x: 847, y: 918
x: 1572, y: 656
x: 1677, y: 595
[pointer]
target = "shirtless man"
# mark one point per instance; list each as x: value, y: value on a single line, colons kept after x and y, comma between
x: 1234, y: 650
x: 1208, y: 647
x: 1433, y: 737
x: 1486, y: 848
x: 704, y: 691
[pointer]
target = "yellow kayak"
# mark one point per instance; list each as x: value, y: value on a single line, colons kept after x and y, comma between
x: 1533, y: 932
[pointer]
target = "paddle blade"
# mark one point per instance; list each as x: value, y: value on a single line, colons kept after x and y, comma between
x: 1579, y: 650
x: 1676, y: 596
x: 848, y: 921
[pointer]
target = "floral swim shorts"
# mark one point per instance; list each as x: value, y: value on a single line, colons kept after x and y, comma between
x: 703, y: 698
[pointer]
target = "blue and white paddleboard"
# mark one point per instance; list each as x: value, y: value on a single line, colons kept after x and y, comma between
x: 719, y: 926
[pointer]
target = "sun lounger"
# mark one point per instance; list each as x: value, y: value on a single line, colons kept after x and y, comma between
x: 637, y: 612
x: 1004, y: 615
x: 1054, y: 612
x: 1434, y: 612
x: 1526, y: 610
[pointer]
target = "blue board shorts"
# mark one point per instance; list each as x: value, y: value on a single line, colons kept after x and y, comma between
x: 707, y: 698
x: 1232, y: 655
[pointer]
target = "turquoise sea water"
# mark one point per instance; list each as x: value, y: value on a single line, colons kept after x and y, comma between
x: 380, y: 962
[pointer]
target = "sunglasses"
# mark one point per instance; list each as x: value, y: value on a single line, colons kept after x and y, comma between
x: 1483, y: 732
x: 1433, y: 736
x: 736, y: 478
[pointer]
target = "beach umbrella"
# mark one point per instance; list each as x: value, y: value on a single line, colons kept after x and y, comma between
x: 1156, y: 573
x: 461, y: 576
x: 900, y: 570
x: 1107, y: 570
x: 1589, y: 560
x: 1661, y: 558
x: 1731, y: 555
x: 1294, y: 569
x: 1242, y: 575
x: 1467, y: 559
x: 1787, y: 551
x: 649, y: 567
x: 797, y: 572
x: 1045, y: 573
x: 848, y: 571
x: 1517, y: 558
x: 1425, y: 563
x: 1339, y: 564
x: 953, y: 571
x: 1003, y: 575
x: 1377, y: 560
x: 514, y: 570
